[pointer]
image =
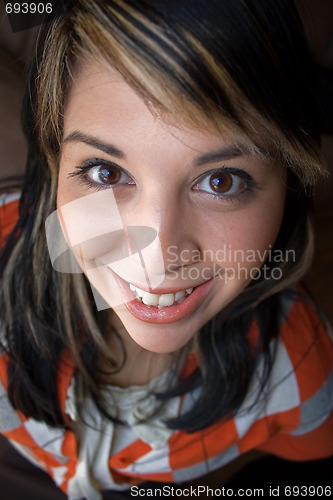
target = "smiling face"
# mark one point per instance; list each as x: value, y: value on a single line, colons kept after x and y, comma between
x: 162, y: 218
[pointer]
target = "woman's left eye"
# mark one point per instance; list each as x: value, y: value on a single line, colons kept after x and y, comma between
x: 226, y: 182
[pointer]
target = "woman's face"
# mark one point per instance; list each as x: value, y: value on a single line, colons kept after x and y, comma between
x: 168, y: 223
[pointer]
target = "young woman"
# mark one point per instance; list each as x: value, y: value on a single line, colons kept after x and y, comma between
x: 153, y: 328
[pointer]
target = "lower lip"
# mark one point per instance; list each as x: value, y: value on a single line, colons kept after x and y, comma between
x: 168, y: 314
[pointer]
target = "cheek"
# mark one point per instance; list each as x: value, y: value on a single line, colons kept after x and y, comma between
x: 246, y: 233
x: 91, y: 224
x: 259, y: 228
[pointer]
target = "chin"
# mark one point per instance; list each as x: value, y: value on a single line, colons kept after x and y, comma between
x: 159, y: 338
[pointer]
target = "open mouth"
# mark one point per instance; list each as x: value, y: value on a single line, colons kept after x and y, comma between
x: 162, y: 300
x: 162, y: 308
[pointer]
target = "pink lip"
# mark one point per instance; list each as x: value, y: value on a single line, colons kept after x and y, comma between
x: 169, y: 314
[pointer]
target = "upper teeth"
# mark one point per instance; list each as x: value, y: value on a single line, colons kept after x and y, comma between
x: 166, y: 299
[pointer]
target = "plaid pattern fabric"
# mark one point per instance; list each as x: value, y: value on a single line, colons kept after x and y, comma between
x: 292, y: 418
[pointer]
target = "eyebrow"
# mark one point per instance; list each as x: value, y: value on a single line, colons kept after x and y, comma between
x: 109, y: 149
x: 226, y: 153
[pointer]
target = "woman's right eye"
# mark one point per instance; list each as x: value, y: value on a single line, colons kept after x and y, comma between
x: 102, y: 174
x: 108, y: 175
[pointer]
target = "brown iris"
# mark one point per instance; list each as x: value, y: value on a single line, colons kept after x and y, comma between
x: 109, y: 175
x: 221, y: 182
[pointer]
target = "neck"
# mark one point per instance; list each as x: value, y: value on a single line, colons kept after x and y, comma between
x: 141, y: 366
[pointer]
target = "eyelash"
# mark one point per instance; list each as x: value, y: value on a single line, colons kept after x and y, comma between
x: 248, y: 182
x: 82, y: 171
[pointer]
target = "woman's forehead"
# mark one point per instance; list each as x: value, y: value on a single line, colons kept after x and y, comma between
x: 101, y: 99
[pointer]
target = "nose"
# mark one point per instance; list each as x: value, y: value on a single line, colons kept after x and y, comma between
x: 176, y: 243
